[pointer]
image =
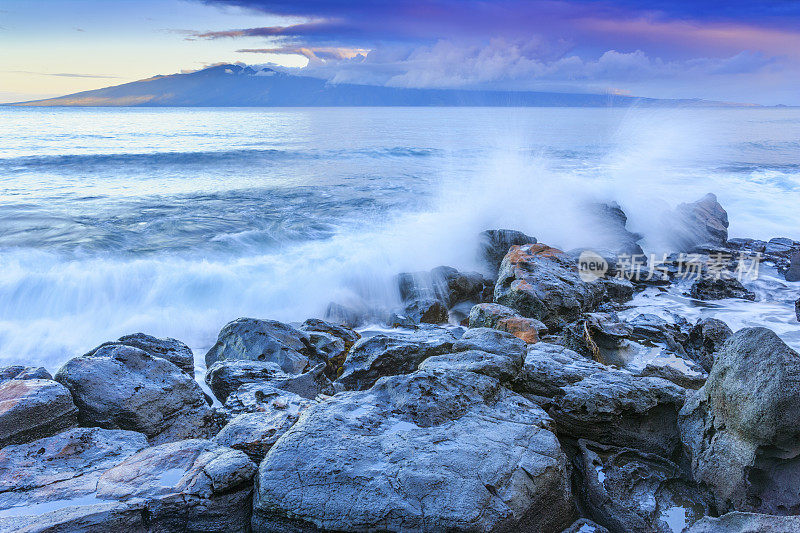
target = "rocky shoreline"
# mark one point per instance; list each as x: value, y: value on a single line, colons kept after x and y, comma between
x: 496, y: 401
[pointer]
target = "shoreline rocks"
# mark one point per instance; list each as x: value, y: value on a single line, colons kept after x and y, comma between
x: 31, y: 409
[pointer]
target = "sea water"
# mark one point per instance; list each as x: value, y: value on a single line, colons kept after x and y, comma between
x: 175, y: 221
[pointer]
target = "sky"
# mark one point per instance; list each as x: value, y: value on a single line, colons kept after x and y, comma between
x: 731, y: 50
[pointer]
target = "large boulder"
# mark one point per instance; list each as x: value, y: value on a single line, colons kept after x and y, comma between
x: 255, y: 433
x: 495, y: 243
x: 225, y: 377
x: 23, y: 372
x: 261, y: 398
x: 705, y: 338
x: 49, y: 484
x: 483, y: 350
x: 608, y: 224
x: 34, y: 408
x: 172, y: 350
x: 190, y: 485
x: 797, y: 309
x: 589, y: 400
x: 390, y: 354
x: 429, y: 451
x: 746, y: 523
x: 793, y: 271
x: 742, y: 428
x: 632, y: 490
x: 703, y: 222
x: 121, y: 387
x: 500, y: 317
x: 251, y: 339
x: 543, y: 283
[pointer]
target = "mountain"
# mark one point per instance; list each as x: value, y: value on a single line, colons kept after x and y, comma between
x: 237, y: 86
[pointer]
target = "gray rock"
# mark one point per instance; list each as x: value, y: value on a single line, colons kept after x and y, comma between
x: 255, y: 433
x: 608, y: 222
x: 49, y: 484
x: 429, y: 451
x: 488, y: 315
x: 225, y: 377
x: 504, y: 367
x: 34, y: 408
x: 742, y: 428
x: 427, y: 311
x: 682, y: 372
x: 495, y: 243
x: 712, y: 288
x: 619, y: 290
x: 506, y: 319
x: 706, y: 337
x: 121, y: 387
x: 349, y: 336
x: 190, y: 485
x: 747, y: 523
x: 23, y: 372
x: 593, y: 401
x: 780, y: 247
x: 543, y: 283
x: 172, y: 350
x: 631, y: 490
x: 793, y: 272
x: 262, y: 398
x: 464, y: 286
x: 391, y: 354
x: 702, y: 222
x: 251, y: 339
x: 492, y: 341
x: 584, y: 525
x: 797, y: 309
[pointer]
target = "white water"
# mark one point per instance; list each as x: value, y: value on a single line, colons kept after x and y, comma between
x: 175, y: 221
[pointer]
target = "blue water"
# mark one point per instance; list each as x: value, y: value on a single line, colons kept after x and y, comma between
x: 175, y: 221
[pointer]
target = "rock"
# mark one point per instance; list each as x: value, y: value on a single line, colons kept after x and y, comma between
x: 710, y: 288
x: 49, y: 484
x: 746, y: 523
x: 251, y: 339
x: 349, y: 336
x: 682, y: 372
x: 780, y: 247
x: 797, y: 309
x: 23, y: 372
x: 742, y: 427
x: 262, y: 398
x: 793, y: 272
x: 608, y: 223
x: 506, y: 319
x: 429, y: 451
x: 598, y: 336
x: 347, y: 315
x: 495, y: 243
x: 31, y: 409
x: 706, y: 337
x: 255, y: 433
x: 543, y: 283
x: 485, y: 351
x: 590, y: 400
x: 388, y: 355
x: 322, y: 336
x: 584, y: 525
x: 464, y: 286
x: 224, y: 377
x: 172, y: 350
x: 190, y: 485
x: 746, y: 245
x: 121, y: 387
x: 619, y: 290
x: 631, y: 490
x: 427, y: 311
x: 702, y: 222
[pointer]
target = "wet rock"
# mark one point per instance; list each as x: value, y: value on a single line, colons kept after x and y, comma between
x: 347, y: 315
x: 487, y: 315
x: 31, y: 409
x: 49, y: 484
x: 619, y: 290
x: 584, y: 525
x: 23, y: 372
x: 503, y: 318
x: 597, y: 336
x: 746, y: 245
x: 485, y: 351
x: 224, y: 377
x: 324, y: 336
x: 797, y: 309
x: 649, y: 328
x: 391, y: 354
x: 781, y: 248
x: 121, y: 387
x: 543, y: 283
x: 608, y: 223
x: 495, y: 243
x: 702, y: 222
x: 747, y: 523
x: 262, y: 398
x: 706, y: 337
x: 711, y: 288
x: 255, y: 433
x: 172, y: 350
x: 251, y: 339
x: 190, y: 485
x: 682, y: 372
x: 464, y: 286
x: 348, y: 335
x: 427, y: 311
x: 429, y: 451
x: 590, y: 400
x: 632, y: 490
x: 742, y: 427
x: 793, y: 272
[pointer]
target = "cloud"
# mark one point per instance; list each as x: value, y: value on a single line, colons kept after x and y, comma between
x: 311, y: 53
x: 64, y: 74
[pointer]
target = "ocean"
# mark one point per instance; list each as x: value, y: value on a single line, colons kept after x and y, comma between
x: 175, y: 221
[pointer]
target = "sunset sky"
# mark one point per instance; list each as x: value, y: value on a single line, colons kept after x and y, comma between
x: 731, y: 50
